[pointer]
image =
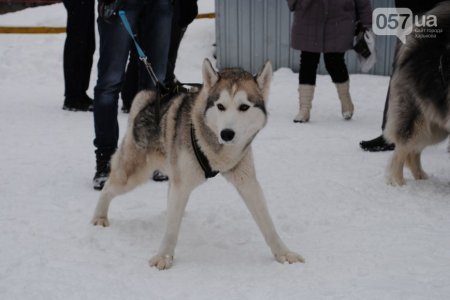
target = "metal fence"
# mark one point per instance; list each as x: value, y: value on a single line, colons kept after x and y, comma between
x: 248, y: 32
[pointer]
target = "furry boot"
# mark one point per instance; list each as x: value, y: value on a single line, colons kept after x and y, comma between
x: 306, y: 95
x: 347, y: 107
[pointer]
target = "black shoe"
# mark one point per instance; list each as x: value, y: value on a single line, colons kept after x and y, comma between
x: 376, y: 145
x: 158, y: 176
x: 78, y: 104
x: 102, y: 170
x: 125, y: 109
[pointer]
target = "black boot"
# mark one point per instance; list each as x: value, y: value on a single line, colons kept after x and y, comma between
x: 376, y: 145
x: 83, y: 103
x: 158, y: 176
x: 102, y: 169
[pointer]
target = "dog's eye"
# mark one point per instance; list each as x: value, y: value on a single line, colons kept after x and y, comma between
x: 243, y: 107
x: 220, y: 107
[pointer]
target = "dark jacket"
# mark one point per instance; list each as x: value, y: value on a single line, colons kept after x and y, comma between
x: 188, y: 12
x: 327, y: 25
x: 418, y: 6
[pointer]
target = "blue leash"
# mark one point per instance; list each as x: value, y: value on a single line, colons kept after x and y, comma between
x: 141, y: 53
x: 147, y: 64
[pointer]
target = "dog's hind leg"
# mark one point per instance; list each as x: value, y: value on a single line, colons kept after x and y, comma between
x: 243, y: 177
x: 395, y: 168
x: 414, y: 164
x: 125, y: 175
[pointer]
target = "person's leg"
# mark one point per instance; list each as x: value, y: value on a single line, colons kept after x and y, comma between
x: 155, y: 27
x: 79, y: 48
x: 335, y: 65
x: 89, y: 49
x: 130, y: 84
x: 115, y: 44
x: 176, y: 36
x: 379, y: 143
x: 309, y: 62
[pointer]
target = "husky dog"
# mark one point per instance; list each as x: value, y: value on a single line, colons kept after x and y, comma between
x: 197, y: 137
x: 419, y: 101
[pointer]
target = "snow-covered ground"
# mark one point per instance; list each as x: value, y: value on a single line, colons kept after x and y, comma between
x: 361, y: 238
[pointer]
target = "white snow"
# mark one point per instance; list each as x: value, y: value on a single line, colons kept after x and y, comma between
x: 361, y: 238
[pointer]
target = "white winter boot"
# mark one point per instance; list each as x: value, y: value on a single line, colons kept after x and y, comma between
x: 306, y: 95
x: 347, y: 107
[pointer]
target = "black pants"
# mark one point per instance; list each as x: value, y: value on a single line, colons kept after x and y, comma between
x: 334, y: 63
x: 79, y: 46
x: 130, y: 86
x: 175, y: 40
x: 386, y: 103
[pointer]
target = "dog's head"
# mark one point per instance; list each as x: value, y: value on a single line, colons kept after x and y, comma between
x: 236, y: 102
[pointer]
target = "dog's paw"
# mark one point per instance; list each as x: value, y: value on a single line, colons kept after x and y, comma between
x: 395, y: 181
x: 421, y: 176
x: 290, y: 257
x: 161, y: 262
x: 100, y: 221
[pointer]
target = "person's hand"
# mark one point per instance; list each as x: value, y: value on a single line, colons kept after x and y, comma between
x: 107, y: 9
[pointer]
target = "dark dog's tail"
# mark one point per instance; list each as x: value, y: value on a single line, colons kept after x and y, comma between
x: 141, y: 100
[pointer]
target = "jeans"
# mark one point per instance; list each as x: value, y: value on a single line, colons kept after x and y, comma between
x: 79, y: 47
x: 130, y: 85
x: 334, y: 63
x: 154, y: 18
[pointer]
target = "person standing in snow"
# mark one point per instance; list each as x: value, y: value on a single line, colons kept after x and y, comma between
x: 328, y: 27
x: 379, y: 143
x: 78, y: 54
x: 154, y: 18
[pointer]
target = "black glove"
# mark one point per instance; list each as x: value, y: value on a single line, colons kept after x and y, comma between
x: 107, y: 9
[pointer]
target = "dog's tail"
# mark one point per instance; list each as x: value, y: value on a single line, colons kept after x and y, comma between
x: 141, y: 100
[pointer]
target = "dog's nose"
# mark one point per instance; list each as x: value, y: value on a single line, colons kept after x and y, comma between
x: 227, y: 135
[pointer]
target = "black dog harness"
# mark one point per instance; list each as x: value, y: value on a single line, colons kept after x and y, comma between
x: 201, y: 158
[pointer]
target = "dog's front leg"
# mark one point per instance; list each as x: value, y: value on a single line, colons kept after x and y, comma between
x: 396, y: 165
x: 176, y: 205
x: 243, y: 177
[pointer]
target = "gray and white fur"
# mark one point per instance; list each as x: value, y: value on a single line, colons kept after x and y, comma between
x: 419, y: 100
x: 226, y: 114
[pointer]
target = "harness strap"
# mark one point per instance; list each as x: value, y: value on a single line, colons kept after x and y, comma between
x: 201, y: 158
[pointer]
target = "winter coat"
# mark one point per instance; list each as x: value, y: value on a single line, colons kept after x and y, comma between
x: 327, y: 25
x: 188, y: 12
x: 417, y: 6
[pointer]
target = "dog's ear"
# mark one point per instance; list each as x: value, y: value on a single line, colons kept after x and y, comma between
x: 210, y: 76
x: 264, y: 78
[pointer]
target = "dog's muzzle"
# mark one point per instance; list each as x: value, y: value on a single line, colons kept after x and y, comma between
x: 227, y: 135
